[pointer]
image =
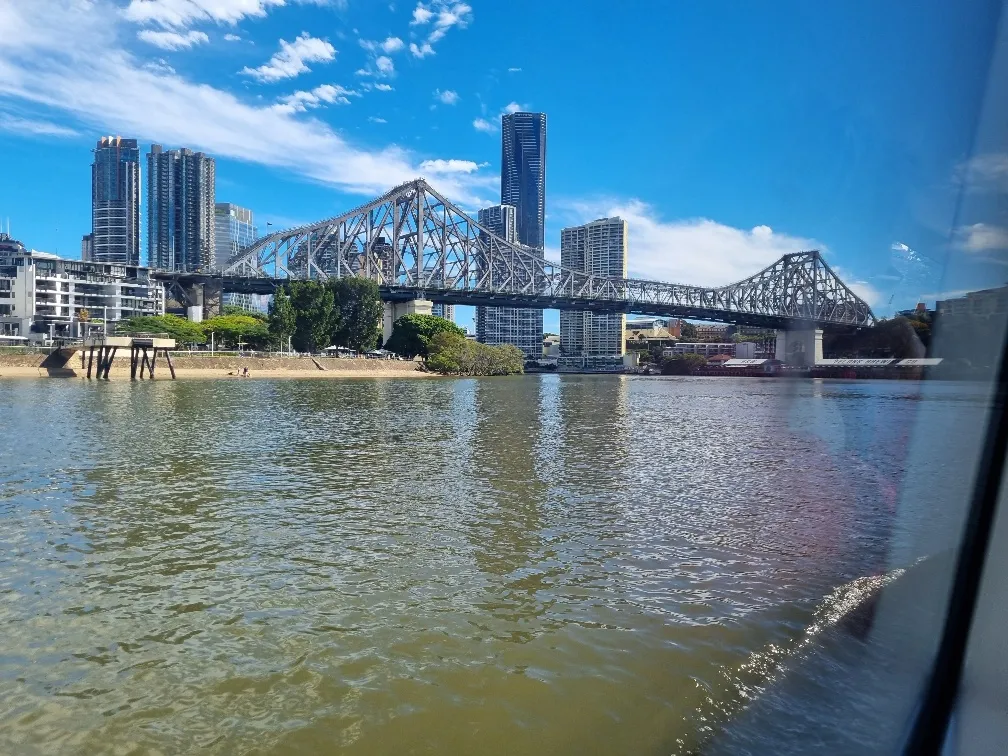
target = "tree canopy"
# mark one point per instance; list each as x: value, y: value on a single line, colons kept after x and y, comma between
x: 359, y: 313
x: 315, y: 315
x: 412, y: 334
x: 682, y: 364
x: 282, y: 319
x: 182, y: 330
x: 234, y: 330
x: 688, y: 331
x: 453, y: 354
x: 236, y: 310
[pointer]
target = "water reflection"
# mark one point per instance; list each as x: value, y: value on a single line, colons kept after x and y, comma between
x: 540, y: 564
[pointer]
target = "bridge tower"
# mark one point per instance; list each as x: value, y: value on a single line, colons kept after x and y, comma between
x: 801, y: 348
x: 392, y: 311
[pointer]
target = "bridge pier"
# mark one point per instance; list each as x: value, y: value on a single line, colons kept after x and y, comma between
x: 392, y: 311
x: 799, y: 348
x: 204, y: 300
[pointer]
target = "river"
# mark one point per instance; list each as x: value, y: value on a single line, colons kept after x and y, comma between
x: 540, y: 564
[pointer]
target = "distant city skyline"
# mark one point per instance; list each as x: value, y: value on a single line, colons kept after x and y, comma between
x: 741, y: 137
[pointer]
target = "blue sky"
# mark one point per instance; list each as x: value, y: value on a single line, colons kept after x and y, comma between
x: 725, y: 133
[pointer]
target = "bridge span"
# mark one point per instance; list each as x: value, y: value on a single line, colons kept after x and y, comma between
x: 418, y: 245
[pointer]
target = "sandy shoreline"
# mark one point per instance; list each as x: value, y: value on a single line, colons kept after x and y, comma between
x: 189, y: 368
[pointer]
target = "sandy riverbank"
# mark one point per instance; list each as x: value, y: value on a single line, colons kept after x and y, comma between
x: 199, y: 367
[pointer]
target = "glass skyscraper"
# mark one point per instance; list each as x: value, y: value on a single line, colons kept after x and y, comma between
x: 523, y: 192
x: 115, y: 201
x: 180, y: 209
x: 523, y: 173
x: 233, y: 229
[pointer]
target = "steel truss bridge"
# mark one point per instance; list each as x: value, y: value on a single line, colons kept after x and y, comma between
x: 417, y: 245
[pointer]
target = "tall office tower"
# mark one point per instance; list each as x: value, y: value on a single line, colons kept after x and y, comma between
x: 507, y: 325
x: 180, y: 209
x: 523, y: 186
x: 233, y: 229
x: 599, y: 248
x: 86, y: 248
x: 115, y: 201
x: 523, y: 173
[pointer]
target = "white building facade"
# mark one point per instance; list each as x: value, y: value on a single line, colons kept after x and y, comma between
x: 594, y: 340
x: 42, y: 295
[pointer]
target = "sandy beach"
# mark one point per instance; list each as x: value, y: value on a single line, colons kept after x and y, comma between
x: 205, y: 367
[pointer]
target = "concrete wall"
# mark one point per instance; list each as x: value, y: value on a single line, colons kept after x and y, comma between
x: 392, y: 311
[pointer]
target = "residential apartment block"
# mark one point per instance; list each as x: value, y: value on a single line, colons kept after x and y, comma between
x: 180, y: 209
x: 594, y: 340
x: 115, y: 201
x: 42, y: 295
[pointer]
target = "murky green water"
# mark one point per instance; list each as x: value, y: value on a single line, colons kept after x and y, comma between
x: 532, y: 565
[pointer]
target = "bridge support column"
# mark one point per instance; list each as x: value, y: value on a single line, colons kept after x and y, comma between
x: 194, y: 309
x: 204, y: 300
x: 392, y: 311
x: 799, y: 348
x: 213, y: 296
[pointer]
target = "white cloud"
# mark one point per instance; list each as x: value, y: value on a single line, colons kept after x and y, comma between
x: 987, y: 172
x: 383, y: 87
x: 981, y: 237
x: 481, y: 124
x: 861, y: 288
x: 293, y: 57
x: 232, y: 38
x: 449, y: 166
x: 697, y: 251
x: 375, y: 119
x: 421, y: 51
x: 389, y: 45
x: 31, y: 126
x: 514, y: 70
x: 183, y: 13
x: 448, y: 97
x: 392, y: 44
x: 442, y: 15
x: 65, y: 57
x: 421, y: 15
x: 385, y: 66
x: 513, y: 107
x: 298, y: 102
x: 169, y: 40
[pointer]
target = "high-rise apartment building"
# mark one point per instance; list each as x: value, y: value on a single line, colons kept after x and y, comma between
x: 594, y: 340
x: 507, y: 325
x: 86, y: 248
x: 180, y: 209
x: 115, y: 201
x: 233, y: 229
x: 523, y: 188
x: 442, y: 310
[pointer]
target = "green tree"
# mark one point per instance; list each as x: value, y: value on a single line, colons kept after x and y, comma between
x: 238, y: 329
x: 412, y: 334
x: 182, y: 330
x: 315, y: 316
x: 683, y: 364
x: 236, y: 310
x: 282, y: 319
x: 688, y: 331
x: 453, y: 354
x: 358, y: 312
